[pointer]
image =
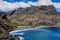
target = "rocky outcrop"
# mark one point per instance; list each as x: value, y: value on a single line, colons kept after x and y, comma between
x: 5, y: 27
x: 35, y: 9
x: 34, y: 16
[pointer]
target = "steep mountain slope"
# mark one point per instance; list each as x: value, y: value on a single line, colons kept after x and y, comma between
x: 34, y: 16
x: 5, y: 27
x: 35, y: 9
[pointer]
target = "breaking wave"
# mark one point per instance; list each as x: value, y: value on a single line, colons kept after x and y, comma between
x: 47, y: 33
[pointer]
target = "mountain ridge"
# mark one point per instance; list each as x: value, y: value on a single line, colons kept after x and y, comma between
x: 36, y: 15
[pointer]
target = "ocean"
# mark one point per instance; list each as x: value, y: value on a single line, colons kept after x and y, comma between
x: 45, y: 33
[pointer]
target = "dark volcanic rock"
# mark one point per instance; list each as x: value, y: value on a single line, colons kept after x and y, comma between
x: 35, y: 9
x: 5, y: 28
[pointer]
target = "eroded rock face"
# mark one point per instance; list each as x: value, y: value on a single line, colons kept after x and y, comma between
x: 35, y: 16
x: 5, y: 28
x: 35, y: 9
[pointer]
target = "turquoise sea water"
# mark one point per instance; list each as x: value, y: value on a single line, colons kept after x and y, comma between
x: 48, y: 33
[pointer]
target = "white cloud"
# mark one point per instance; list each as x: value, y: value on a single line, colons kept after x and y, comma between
x: 32, y: 3
x: 44, y: 2
x: 57, y: 5
x: 7, y: 6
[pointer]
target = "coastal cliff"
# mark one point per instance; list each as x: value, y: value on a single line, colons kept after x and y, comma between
x: 5, y: 27
x: 29, y: 17
x: 35, y: 16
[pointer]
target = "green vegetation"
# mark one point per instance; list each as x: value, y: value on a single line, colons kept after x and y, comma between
x: 17, y: 24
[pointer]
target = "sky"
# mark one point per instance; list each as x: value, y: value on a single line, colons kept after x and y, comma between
x: 8, y: 5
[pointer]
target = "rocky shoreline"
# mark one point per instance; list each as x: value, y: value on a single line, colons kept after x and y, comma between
x: 5, y: 28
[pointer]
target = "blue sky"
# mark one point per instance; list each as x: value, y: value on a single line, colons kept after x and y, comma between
x: 28, y: 0
x: 20, y: 0
x: 7, y: 5
x: 56, y: 1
